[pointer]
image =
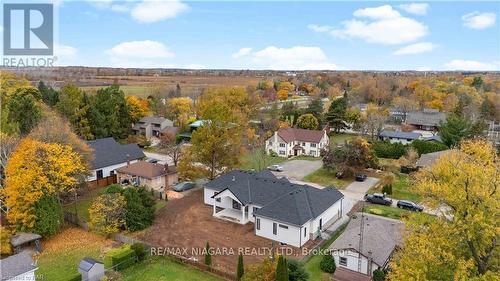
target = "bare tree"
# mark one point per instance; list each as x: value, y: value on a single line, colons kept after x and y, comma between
x: 169, y: 146
x: 8, y: 145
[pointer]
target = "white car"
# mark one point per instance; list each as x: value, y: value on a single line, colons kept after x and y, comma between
x: 276, y: 168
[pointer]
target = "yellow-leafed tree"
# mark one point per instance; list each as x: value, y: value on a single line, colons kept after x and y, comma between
x: 180, y: 109
x: 107, y: 213
x: 36, y: 169
x: 461, y: 244
x: 137, y: 108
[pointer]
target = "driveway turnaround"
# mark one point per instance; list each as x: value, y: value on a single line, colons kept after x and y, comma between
x: 162, y: 158
x: 298, y: 169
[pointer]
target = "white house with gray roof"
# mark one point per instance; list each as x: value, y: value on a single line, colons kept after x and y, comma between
x: 109, y: 155
x: 365, y: 248
x: 399, y: 137
x: 282, y: 211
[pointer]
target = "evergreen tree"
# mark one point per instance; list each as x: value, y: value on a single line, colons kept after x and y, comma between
x: 456, y: 128
x: 208, y: 255
x: 281, y: 269
x: 49, y: 216
x: 24, y: 110
x: 49, y: 95
x: 109, y: 113
x: 315, y: 107
x: 336, y: 115
x: 327, y: 264
x: 241, y: 269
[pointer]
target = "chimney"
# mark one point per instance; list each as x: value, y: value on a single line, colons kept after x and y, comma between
x: 128, y: 159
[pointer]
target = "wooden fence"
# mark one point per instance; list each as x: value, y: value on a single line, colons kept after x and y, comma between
x: 177, y: 258
x: 102, y: 182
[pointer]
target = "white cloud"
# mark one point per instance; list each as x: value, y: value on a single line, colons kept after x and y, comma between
x: 416, y: 48
x: 294, y: 58
x: 242, y: 52
x: 476, y: 20
x: 145, y: 53
x: 319, y: 28
x: 423, y: 68
x: 381, y: 12
x: 472, y: 65
x: 155, y: 10
x: 381, y: 25
x: 66, y: 55
x: 415, y: 8
x: 120, y: 8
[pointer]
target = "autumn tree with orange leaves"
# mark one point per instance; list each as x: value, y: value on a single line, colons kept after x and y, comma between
x: 37, y: 169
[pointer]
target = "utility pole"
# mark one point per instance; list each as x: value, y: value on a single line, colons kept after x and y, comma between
x: 361, y: 230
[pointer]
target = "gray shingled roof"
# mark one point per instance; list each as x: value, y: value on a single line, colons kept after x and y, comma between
x: 22, y: 238
x: 400, y: 135
x: 380, y: 237
x: 428, y: 159
x: 15, y: 265
x: 108, y: 152
x: 427, y: 117
x: 87, y: 263
x: 280, y: 199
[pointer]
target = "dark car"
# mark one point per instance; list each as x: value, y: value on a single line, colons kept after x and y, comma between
x: 360, y: 177
x: 378, y: 198
x: 408, y: 205
x: 183, y: 186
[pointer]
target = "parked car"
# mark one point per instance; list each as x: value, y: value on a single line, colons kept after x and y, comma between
x: 183, y: 186
x: 378, y: 198
x: 152, y: 160
x: 276, y: 168
x: 408, y: 205
x: 360, y: 177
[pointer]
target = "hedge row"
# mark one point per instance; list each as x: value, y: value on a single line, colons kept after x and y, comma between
x: 121, y: 258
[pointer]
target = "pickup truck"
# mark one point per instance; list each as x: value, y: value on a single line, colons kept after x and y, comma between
x: 378, y: 198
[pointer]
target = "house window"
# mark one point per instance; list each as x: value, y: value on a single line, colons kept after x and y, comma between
x: 217, y: 199
x: 313, y: 145
x: 282, y: 145
x: 283, y: 226
x: 236, y: 205
x: 303, y: 144
x: 270, y: 143
x: 282, y: 152
x: 257, y: 224
x: 305, y: 231
x: 343, y: 261
x: 275, y: 228
x: 99, y: 174
x: 254, y: 210
x: 312, y: 152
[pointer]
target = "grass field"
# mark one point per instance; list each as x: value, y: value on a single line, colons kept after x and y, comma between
x: 401, y: 189
x: 162, y: 268
x: 385, y: 211
x: 341, y: 138
x: 326, y: 178
x: 257, y: 161
x: 63, y: 252
x: 83, y: 203
x: 312, y: 265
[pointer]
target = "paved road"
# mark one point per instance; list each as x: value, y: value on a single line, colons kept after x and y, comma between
x: 298, y: 169
x: 162, y: 158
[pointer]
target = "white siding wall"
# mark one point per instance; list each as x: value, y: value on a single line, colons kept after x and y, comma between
x: 27, y: 276
x: 352, y: 261
x: 290, y: 236
x: 331, y: 213
x: 273, y: 143
x: 106, y: 170
x: 207, y: 194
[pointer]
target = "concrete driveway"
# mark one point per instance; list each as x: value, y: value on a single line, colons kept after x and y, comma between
x: 357, y: 189
x: 298, y: 169
x: 162, y: 158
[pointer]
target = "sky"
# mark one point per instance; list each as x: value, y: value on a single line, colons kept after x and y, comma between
x: 282, y: 35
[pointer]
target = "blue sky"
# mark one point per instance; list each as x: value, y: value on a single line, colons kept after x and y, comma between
x: 281, y: 35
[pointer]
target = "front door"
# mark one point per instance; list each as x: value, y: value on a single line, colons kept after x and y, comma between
x: 295, y: 152
x: 320, y: 224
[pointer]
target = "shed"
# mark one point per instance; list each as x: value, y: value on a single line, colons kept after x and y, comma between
x: 24, y: 238
x: 91, y: 269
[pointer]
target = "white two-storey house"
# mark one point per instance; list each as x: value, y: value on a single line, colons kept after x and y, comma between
x: 293, y: 142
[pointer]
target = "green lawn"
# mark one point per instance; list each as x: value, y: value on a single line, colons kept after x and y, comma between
x: 312, y: 265
x: 259, y: 161
x: 326, y: 178
x: 341, y: 138
x: 62, y: 253
x: 163, y: 268
x: 385, y: 211
x: 401, y: 189
x: 83, y: 203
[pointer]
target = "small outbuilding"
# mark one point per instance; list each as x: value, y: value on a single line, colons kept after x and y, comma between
x: 91, y: 269
x: 18, y: 267
x: 23, y: 239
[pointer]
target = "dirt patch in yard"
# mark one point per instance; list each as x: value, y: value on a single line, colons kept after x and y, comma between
x: 188, y: 223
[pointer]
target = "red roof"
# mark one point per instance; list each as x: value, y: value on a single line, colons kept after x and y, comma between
x: 294, y: 134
